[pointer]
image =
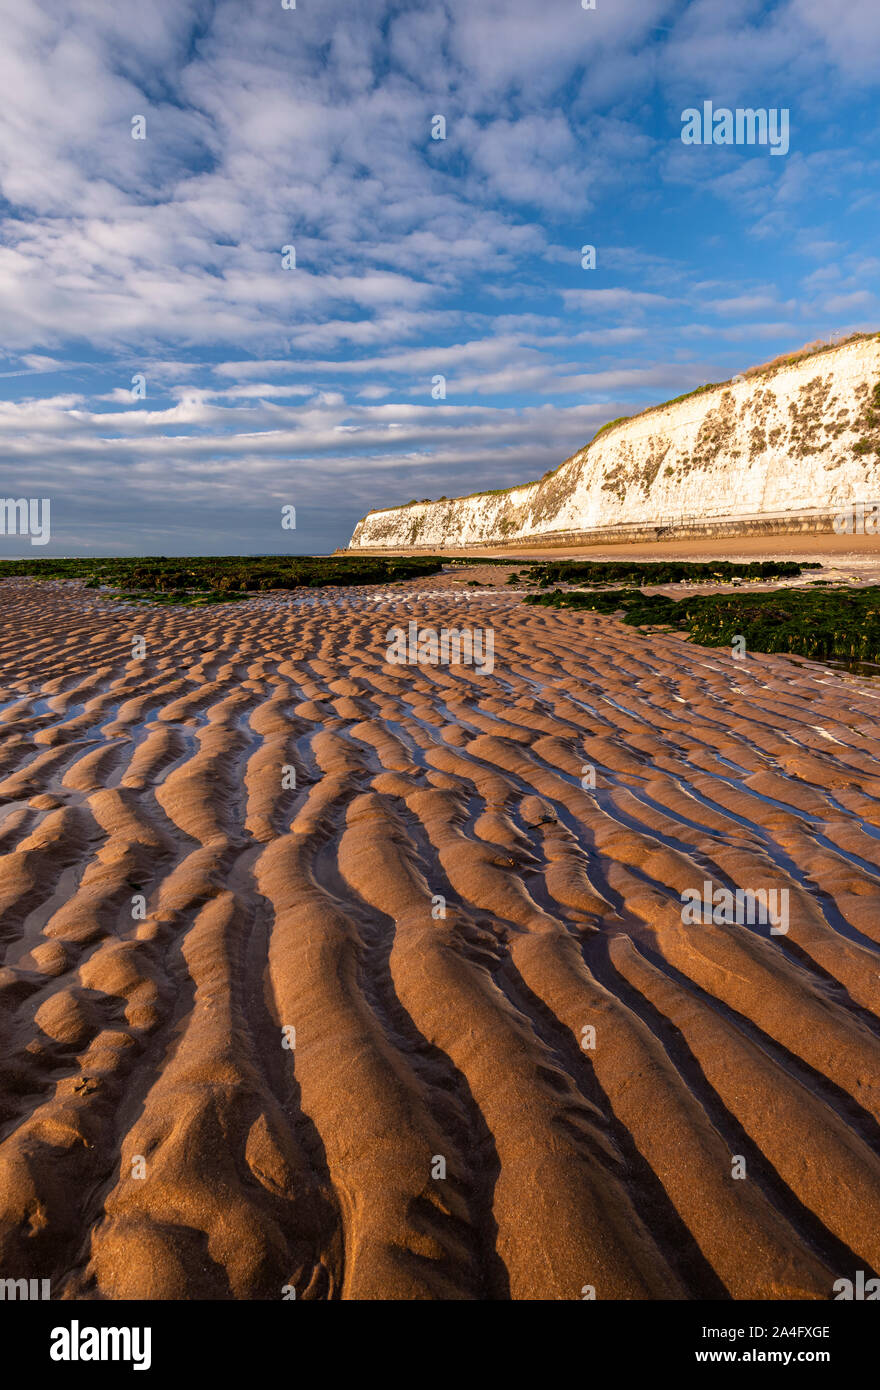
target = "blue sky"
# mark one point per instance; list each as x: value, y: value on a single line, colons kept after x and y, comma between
x: 415, y: 258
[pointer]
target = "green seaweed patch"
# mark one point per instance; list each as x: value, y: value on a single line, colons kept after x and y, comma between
x: 184, y: 579
x: 665, y: 571
x: 822, y: 625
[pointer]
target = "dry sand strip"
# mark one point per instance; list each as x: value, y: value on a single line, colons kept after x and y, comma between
x: 327, y: 976
x: 855, y: 554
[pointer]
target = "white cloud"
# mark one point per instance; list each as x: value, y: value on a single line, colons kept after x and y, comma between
x: 311, y: 128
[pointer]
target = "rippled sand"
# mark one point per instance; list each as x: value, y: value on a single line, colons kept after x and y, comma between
x: 159, y: 1140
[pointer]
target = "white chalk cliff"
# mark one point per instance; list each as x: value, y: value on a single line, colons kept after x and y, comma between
x: 789, y: 439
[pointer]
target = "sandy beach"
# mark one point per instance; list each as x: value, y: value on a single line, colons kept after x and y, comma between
x: 339, y: 977
x: 825, y: 547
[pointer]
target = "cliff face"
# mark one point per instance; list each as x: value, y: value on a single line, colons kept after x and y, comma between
x: 790, y: 439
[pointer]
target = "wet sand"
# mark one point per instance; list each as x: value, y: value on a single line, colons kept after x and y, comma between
x: 548, y: 1090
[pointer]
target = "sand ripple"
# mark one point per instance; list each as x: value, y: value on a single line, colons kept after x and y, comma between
x: 244, y: 1050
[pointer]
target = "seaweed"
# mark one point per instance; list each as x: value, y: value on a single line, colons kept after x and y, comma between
x: 197, y: 580
x: 840, y: 625
x: 665, y: 571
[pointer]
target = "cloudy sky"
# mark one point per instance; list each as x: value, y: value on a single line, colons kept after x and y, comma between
x: 170, y: 383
